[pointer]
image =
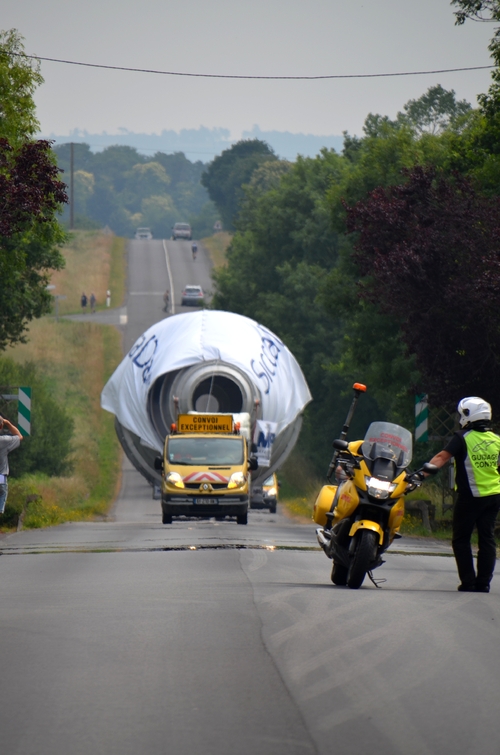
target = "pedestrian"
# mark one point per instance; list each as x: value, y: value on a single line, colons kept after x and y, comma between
x: 166, y: 301
x: 83, y: 302
x: 108, y: 298
x: 7, y: 444
x: 476, y: 450
x: 92, y: 302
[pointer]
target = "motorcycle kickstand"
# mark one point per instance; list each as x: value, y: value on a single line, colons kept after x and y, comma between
x: 376, y: 582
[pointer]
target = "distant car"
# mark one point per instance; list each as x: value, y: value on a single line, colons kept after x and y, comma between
x: 143, y: 233
x: 192, y: 296
x: 182, y: 231
x: 265, y: 496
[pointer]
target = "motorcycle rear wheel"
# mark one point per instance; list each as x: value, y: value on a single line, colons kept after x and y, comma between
x: 339, y: 574
x: 363, y: 557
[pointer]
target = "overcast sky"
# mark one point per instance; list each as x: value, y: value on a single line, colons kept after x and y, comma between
x: 254, y: 37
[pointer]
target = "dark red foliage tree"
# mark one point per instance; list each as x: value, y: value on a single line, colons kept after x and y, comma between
x: 29, y: 186
x: 429, y: 255
x: 30, y: 196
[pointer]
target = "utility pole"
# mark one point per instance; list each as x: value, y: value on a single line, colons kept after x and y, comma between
x: 71, y: 186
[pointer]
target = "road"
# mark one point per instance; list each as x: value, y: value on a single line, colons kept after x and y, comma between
x: 124, y: 636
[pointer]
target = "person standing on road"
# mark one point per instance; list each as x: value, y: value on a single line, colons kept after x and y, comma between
x: 194, y: 249
x: 7, y: 444
x: 83, y: 302
x: 92, y: 302
x: 476, y: 451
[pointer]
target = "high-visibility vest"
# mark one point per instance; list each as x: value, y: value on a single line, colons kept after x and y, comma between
x: 481, y: 462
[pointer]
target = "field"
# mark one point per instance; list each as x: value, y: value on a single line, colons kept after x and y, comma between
x: 76, y: 360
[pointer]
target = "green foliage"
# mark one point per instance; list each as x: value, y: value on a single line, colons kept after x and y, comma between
x: 31, y: 197
x: 48, y: 448
x: 229, y: 172
x: 120, y: 188
x: 19, y: 77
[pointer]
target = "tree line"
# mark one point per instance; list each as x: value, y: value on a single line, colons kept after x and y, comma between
x: 124, y: 190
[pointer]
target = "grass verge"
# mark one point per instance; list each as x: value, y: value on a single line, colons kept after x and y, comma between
x: 76, y: 359
x: 217, y: 247
x: 95, y: 262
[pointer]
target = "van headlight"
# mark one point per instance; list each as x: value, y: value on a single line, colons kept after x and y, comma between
x: 380, y: 489
x: 174, y: 478
x: 271, y: 492
x: 236, y: 480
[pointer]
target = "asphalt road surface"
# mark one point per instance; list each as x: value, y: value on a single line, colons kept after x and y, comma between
x: 124, y: 636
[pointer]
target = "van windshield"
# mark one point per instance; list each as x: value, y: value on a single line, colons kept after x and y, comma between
x: 201, y: 451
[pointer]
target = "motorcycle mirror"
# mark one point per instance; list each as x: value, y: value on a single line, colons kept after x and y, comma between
x: 340, y: 445
x: 430, y: 468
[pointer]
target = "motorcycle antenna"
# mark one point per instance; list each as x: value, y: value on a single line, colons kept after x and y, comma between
x: 358, y: 389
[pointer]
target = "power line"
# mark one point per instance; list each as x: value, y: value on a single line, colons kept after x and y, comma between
x: 273, y: 78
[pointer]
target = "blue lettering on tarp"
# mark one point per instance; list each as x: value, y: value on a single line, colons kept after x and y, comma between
x: 265, y: 441
x: 142, y: 355
x: 268, y: 358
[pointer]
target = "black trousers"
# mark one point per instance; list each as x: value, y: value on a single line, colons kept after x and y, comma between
x: 481, y: 512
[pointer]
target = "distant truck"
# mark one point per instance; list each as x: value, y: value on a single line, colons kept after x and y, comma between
x: 206, y: 467
x: 182, y: 231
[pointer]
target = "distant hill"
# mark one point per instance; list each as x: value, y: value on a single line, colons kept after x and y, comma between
x: 203, y: 143
x: 288, y: 145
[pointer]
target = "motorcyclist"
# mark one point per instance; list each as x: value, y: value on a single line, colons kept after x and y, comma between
x: 194, y: 249
x: 476, y: 450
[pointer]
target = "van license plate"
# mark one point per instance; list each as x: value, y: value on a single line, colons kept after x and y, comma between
x: 200, y: 501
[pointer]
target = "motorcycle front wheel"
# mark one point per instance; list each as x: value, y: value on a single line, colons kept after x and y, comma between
x: 363, y: 556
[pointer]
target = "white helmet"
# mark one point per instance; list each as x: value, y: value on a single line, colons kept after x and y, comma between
x: 472, y: 409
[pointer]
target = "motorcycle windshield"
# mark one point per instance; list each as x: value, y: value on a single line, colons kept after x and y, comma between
x: 383, y: 440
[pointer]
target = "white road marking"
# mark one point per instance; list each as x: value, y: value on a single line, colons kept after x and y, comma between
x: 172, y: 297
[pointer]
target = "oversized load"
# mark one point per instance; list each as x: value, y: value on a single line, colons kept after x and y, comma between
x: 206, y: 361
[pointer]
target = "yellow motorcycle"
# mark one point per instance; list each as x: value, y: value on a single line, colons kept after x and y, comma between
x: 361, y: 516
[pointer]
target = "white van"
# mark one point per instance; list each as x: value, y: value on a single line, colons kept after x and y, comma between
x: 181, y: 231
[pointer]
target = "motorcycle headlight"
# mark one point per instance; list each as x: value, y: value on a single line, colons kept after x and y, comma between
x: 174, y: 478
x: 236, y: 480
x: 380, y: 489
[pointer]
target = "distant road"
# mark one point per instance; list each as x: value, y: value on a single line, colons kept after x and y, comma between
x: 126, y: 636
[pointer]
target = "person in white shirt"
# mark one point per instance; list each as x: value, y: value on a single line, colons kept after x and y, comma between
x: 7, y: 444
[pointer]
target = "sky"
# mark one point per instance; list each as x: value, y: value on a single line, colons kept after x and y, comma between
x: 250, y: 37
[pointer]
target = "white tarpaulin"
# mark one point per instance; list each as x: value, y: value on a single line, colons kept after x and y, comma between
x: 187, y: 339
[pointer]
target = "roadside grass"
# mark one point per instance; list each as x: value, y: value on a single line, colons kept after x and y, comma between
x: 76, y: 359
x: 299, y: 486
x: 95, y: 262
x: 217, y: 247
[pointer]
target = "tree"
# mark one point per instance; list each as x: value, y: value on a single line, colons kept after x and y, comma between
x: 428, y: 252
x: 434, y: 111
x: 480, y: 10
x: 31, y: 195
x: 226, y: 175
x: 19, y: 77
